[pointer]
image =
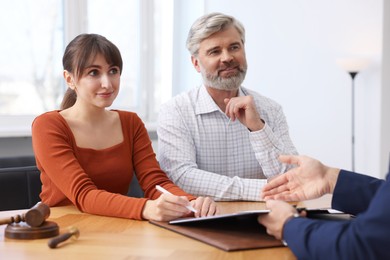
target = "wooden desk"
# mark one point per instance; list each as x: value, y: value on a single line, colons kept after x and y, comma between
x: 115, y: 238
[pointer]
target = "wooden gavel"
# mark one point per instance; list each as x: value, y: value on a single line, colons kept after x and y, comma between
x: 73, y: 232
x: 34, y: 217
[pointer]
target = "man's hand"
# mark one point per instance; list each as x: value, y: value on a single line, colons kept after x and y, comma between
x: 309, y: 180
x: 274, y: 221
x: 244, y: 109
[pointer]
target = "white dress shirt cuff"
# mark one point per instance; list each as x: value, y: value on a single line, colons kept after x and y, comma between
x: 252, y: 189
x: 263, y: 139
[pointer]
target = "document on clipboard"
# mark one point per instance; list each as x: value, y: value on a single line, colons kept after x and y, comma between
x: 240, y: 214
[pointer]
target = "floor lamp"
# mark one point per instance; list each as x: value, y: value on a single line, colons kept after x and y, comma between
x: 353, y: 67
x: 353, y: 75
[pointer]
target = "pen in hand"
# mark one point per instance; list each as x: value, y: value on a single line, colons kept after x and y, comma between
x: 161, y: 189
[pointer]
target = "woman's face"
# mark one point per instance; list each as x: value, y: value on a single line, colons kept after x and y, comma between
x: 99, y: 84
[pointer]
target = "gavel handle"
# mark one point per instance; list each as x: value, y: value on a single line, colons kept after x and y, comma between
x: 53, y: 243
x: 13, y: 219
x: 5, y: 221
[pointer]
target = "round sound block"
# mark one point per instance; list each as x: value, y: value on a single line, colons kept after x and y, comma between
x: 23, y: 231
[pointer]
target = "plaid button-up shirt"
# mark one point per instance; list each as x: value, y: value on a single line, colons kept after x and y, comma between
x: 206, y: 155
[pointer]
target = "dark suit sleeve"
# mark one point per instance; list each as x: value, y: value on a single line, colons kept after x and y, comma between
x: 354, y: 192
x: 365, y: 237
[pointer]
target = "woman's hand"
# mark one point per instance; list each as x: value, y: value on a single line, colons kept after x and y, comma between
x: 204, y: 206
x: 167, y: 207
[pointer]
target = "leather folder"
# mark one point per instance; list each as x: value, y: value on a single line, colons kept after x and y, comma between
x: 229, y: 233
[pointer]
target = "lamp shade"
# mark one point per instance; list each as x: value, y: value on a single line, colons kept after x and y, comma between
x: 353, y: 64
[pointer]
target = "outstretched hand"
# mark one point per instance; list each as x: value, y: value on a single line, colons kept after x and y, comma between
x: 310, y: 179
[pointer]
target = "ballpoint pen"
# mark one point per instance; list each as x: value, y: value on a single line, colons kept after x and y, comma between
x: 159, y: 188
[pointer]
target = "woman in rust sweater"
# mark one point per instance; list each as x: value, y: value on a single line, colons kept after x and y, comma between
x: 88, y: 154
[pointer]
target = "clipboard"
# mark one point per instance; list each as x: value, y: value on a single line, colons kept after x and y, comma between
x: 229, y: 232
x: 238, y: 231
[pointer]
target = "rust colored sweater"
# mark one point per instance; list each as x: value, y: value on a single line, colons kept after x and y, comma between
x: 96, y: 181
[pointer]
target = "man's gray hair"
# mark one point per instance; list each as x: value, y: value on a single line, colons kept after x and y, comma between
x: 209, y: 24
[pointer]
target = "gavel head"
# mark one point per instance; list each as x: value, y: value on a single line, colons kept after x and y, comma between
x: 35, y: 216
x: 74, y: 231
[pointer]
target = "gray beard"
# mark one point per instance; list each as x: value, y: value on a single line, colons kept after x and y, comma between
x: 231, y: 83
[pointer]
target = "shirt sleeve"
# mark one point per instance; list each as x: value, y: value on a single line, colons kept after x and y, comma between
x: 271, y: 141
x: 177, y: 157
x: 364, y: 237
x: 55, y: 156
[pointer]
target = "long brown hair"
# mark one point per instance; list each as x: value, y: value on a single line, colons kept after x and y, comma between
x: 79, y: 54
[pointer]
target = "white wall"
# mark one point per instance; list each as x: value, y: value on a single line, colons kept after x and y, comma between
x: 292, y: 48
x: 385, y: 95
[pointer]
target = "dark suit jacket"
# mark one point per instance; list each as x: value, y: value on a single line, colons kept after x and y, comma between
x: 365, y: 237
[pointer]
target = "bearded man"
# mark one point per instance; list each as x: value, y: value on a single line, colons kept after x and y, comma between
x: 221, y: 140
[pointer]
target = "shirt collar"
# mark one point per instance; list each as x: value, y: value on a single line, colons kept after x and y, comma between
x: 205, y: 104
